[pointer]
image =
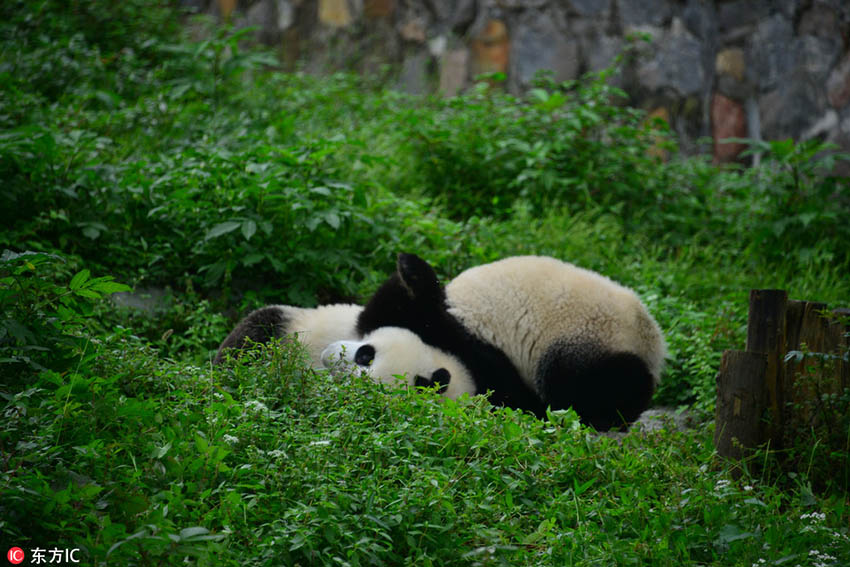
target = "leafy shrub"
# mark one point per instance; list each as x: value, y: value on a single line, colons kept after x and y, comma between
x: 798, y: 198
x: 42, y: 321
x: 563, y: 143
x: 96, y: 48
x: 819, y: 421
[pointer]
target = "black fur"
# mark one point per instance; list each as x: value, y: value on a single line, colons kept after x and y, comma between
x: 413, y: 298
x: 259, y: 326
x: 607, y: 390
x: 364, y: 355
x: 441, y: 377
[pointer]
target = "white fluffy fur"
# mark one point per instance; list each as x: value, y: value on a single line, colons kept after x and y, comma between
x: 318, y: 327
x: 400, y: 352
x: 523, y: 304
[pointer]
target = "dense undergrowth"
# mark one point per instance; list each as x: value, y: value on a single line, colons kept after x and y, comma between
x: 128, y: 152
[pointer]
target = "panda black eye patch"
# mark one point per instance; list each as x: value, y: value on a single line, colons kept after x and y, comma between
x: 364, y: 355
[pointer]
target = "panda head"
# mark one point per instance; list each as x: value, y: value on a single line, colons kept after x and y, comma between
x: 392, y: 351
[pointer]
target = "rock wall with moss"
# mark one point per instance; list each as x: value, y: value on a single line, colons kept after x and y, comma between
x: 764, y: 69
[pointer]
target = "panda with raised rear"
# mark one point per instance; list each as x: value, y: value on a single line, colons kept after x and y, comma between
x: 534, y: 331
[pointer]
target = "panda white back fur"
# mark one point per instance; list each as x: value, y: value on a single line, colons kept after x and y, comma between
x: 536, y: 332
x: 315, y: 327
x: 389, y: 352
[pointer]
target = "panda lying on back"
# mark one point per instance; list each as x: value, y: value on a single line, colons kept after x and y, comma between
x: 535, y: 331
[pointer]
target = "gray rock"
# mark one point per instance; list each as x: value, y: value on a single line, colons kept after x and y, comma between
x: 413, y: 77
x: 285, y: 14
x: 792, y: 108
x: 816, y: 56
x: 441, y: 9
x: 147, y: 300
x: 677, y: 64
x: 700, y: 18
x: 842, y: 134
x: 821, y: 20
x: 656, y: 419
x: 600, y: 51
x: 635, y: 13
x: 769, y: 56
x: 454, y: 69
x: 589, y: 8
x: 731, y: 87
x: 463, y: 16
x: 787, y: 8
x: 521, y: 4
x: 263, y: 15
x: 838, y: 84
x: 823, y: 126
x: 539, y: 43
x: 731, y: 15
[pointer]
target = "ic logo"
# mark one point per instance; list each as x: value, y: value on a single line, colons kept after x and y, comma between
x: 15, y: 555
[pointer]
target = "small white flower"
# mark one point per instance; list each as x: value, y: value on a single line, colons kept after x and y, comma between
x: 256, y: 405
x: 230, y: 439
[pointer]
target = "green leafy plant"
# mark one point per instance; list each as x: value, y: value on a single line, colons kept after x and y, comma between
x: 819, y: 428
x: 484, y: 150
x: 42, y: 320
x: 799, y: 197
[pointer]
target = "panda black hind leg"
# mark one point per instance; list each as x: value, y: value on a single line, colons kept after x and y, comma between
x: 260, y: 326
x: 606, y: 389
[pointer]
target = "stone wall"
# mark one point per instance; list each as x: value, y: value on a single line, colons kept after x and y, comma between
x: 766, y: 69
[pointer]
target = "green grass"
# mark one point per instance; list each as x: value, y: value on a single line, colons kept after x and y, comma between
x: 197, y: 168
x: 266, y: 463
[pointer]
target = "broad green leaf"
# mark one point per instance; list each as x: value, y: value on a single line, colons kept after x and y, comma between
x: 332, y: 218
x: 321, y: 191
x: 252, y: 259
x: 190, y: 533
x: 79, y: 279
x: 222, y: 228
x: 107, y: 287
x: 249, y: 227
x: 86, y: 292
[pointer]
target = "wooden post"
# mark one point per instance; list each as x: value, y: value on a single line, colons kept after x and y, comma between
x: 766, y: 335
x: 741, y: 402
x: 811, y: 327
x: 751, y: 383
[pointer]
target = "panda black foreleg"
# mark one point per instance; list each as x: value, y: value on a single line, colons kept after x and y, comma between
x: 607, y: 390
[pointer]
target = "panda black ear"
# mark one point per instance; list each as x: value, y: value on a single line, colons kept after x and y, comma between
x: 442, y: 377
x: 418, y: 277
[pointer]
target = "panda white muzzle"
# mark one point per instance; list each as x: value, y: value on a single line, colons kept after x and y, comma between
x: 349, y: 355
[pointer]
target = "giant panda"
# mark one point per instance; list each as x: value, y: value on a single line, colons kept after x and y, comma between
x: 534, y: 331
x: 315, y: 328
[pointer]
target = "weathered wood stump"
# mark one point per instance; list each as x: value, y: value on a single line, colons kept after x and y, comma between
x: 761, y: 396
